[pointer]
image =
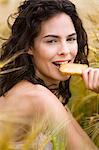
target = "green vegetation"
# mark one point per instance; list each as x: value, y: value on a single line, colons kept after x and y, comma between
x: 84, y: 104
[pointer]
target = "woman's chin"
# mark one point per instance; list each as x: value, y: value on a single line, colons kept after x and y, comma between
x: 64, y: 77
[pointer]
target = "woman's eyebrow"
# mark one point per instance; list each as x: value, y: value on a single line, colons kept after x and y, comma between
x: 73, y: 34
x: 56, y: 36
x: 51, y: 35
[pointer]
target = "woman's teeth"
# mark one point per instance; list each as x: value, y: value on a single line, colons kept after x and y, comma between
x: 59, y: 63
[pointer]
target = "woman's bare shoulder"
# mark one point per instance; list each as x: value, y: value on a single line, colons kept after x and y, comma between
x: 24, y: 88
x: 28, y: 100
x: 26, y: 96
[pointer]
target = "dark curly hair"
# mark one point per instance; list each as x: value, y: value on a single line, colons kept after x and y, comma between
x: 23, y: 32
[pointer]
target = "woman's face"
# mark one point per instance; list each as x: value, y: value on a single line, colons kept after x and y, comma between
x: 55, y: 44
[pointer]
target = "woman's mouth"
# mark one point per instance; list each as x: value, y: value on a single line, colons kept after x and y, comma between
x: 58, y: 63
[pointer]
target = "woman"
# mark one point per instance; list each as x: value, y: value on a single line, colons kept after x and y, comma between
x: 46, y: 34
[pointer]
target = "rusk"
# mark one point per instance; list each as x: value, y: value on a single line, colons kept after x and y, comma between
x: 72, y: 69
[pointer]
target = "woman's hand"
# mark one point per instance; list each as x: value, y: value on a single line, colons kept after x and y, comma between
x: 91, y: 79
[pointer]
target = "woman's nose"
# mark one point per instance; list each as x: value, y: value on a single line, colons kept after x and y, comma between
x: 64, y: 50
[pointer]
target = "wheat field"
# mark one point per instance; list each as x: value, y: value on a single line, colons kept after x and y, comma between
x: 84, y: 104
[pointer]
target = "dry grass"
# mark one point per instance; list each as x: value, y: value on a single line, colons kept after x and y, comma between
x: 84, y: 104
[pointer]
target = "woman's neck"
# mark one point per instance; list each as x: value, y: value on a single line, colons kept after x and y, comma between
x: 49, y: 82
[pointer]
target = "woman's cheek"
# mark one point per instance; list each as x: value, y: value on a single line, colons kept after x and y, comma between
x: 74, y: 52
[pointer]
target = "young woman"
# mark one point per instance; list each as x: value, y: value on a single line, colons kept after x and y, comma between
x: 46, y: 33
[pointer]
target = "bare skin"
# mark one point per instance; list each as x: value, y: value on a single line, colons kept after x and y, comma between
x: 91, y: 79
x: 27, y: 95
x: 56, y: 43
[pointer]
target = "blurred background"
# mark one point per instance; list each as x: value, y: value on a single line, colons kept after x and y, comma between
x: 84, y: 104
x: 88, y: 11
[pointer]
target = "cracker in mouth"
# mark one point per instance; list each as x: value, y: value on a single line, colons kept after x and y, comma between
x: 72, y: 68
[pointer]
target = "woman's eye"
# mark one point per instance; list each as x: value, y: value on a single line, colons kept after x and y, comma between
x: 71, y: 39
x: 51, y: 41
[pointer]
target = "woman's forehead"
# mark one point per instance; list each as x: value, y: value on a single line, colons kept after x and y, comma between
x: 60, y: 23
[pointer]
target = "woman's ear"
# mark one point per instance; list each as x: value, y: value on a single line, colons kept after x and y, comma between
x: 30, y: 51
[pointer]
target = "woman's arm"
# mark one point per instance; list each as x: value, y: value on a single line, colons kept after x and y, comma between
x: 30, y: 102
x: 76, y: 137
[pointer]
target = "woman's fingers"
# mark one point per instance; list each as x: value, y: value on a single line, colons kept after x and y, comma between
x: 91, y: 79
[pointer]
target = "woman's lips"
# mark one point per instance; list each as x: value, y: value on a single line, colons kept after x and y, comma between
x: 58, y: 63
